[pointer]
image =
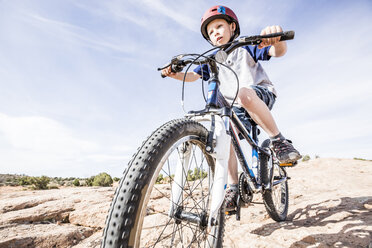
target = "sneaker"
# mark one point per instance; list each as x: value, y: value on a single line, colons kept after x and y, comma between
x: 285, y: 152
x: 231, y: 197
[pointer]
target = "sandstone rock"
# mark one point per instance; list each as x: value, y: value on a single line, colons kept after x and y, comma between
x: 24, y: 202
x: 51, y: 210
x: 42, y: 235
x: 90, y: 215
x: 329, y: 206
x: 94, y: 241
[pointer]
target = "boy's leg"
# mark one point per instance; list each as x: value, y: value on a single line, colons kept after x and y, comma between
x: 260, y: 113
x: 233, y: 168
x: 231, y: 195
x: 258, y: 110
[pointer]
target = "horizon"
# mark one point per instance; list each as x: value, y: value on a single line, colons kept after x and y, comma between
x: 113, y: 176
x: 80, y: 90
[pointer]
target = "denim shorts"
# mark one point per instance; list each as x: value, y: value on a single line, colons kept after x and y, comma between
x: 265, y: 95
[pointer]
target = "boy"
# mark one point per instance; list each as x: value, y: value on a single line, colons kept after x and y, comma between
x: 256, y: 93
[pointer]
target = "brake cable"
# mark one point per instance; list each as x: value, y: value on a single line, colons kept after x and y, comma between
x: 195, y: 60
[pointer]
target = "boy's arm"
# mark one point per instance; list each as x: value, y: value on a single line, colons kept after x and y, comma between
x: 190, y: 76
x: 278, y: 48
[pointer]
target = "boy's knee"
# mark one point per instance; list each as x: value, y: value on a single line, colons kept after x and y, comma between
x: 247, y: 96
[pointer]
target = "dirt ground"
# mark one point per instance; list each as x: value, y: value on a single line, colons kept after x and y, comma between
x: 330, y: 205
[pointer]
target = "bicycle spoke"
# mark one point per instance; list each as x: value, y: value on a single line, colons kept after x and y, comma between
x: 162, y: 231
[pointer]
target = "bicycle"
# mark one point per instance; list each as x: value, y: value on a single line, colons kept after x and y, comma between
x: 191, y: 155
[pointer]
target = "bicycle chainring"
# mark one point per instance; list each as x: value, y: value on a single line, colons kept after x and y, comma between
x: 245, y: 191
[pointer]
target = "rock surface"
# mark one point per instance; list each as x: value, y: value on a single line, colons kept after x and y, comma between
x: 330, y: 206
x: 52, y: 218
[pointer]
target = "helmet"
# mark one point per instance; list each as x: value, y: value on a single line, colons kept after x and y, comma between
x: 219, y: 12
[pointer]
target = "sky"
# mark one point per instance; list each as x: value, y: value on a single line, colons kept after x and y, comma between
x: 79, y: 89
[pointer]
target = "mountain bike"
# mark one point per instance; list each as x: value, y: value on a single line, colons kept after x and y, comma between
x: 172, y: 192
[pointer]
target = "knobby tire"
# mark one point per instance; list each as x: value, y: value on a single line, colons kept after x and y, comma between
x: 276, y: 199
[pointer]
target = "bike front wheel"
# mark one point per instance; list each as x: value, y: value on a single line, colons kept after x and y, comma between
x: 163, y: 199
x: 276, y: 198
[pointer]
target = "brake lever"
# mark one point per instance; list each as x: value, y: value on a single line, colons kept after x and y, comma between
x: 174, y: 63
x: 162, y: 68
x: 256, y: 39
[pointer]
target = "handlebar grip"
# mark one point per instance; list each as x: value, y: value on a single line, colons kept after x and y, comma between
x: 161, y: 74
x: 288, y: 35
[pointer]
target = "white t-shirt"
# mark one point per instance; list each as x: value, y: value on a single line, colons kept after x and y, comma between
x: 244, y: 61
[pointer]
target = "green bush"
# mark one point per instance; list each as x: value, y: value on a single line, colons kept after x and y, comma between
x: 76, y: 182
x: 196, y: 174
x: 159, y: 179
x: 37, y: 182
x: 89, y: 181
x: 116, y: 179
x: 26, y: 180
x: 305, y: 158
x: 102, y: 179
x: 40, y: 182
x: 362, y: 159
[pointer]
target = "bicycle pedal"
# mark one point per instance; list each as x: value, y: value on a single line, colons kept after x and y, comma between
x: 288, y: 164
x: 231, y: 212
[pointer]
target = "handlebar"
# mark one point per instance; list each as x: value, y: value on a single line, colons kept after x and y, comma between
x: 178, y: 63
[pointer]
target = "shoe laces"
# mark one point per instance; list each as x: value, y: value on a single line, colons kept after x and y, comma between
x: 282, y: 146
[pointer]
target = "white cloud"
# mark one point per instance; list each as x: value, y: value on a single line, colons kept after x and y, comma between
x: 174, y: 13
x: 84, y: 37
x: 36, y: 143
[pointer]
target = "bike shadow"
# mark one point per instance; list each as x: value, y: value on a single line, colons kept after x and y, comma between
x: 353, y: 212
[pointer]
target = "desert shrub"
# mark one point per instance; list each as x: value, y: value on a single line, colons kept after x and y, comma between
x: 362, y: 159
x: 196, y: 174
x: 89, y: 181
x: 25, y: 180
x: 306, y: 158
x: 76, y: 182
x: 40, y: 182
x: 116, y: 179
x: 102, y: 179
x: 61, y: 183
x: 159, y: 179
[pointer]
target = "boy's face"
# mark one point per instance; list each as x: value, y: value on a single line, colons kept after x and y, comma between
x: 220, y: 32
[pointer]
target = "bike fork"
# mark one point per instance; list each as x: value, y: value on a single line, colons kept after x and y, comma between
x: 180, y: 178
x: 221, y: 154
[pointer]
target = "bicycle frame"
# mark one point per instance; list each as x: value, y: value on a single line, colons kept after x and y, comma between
x: 226, y: 132
x: 225, y: 127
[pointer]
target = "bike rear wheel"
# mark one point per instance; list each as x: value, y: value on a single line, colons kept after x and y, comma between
x: 275, y: 199
x: 147, y: 211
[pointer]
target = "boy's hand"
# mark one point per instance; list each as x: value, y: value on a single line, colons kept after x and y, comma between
x: 270, y: 41
x: 168, y: 72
